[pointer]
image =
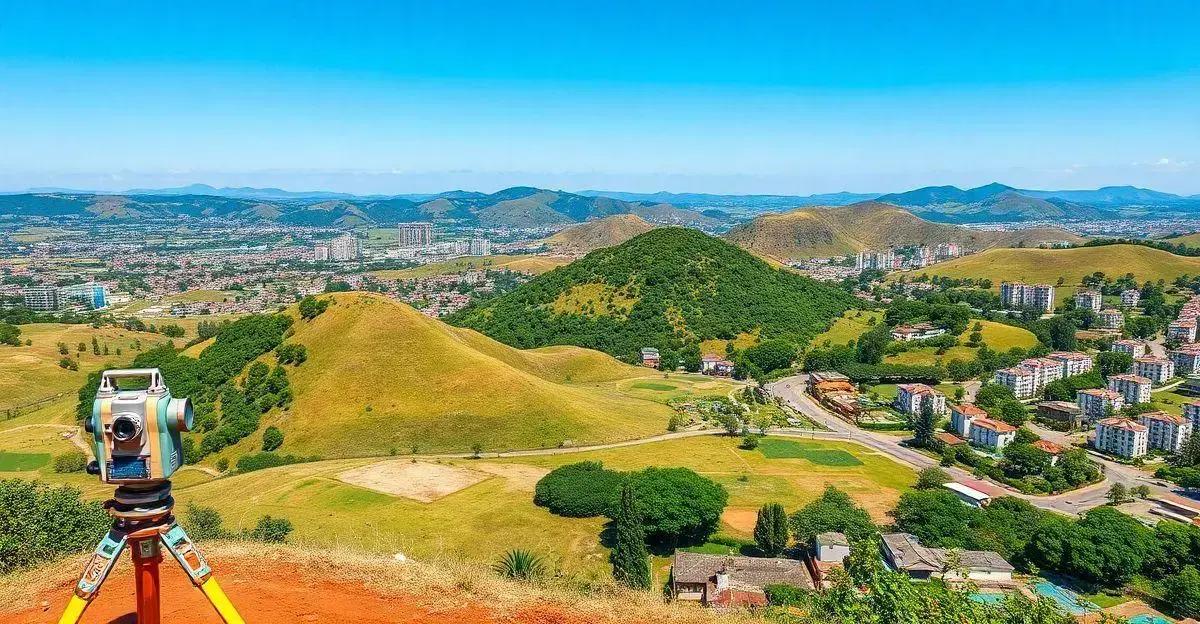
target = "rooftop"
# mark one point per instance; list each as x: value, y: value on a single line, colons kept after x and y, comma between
x: 908, y: 554
x: 1163, y: 417
x: 743, y: 571
x: 1049, y: 447
x: 1122, y: 423
x: 1062, y: 406
x: 969, y: 409
x: 994, y: 425
x: 1130, y: 377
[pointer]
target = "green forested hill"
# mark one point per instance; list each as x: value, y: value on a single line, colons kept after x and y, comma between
x: 666, y: 288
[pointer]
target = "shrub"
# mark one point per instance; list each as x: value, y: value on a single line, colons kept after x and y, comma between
x: 272, y: 438
x: 519, y: 564
x: 223, y: 464
x: 39, y: 523
x: 203, y: 523
x: 781, y: 595
x: 932, y: 478
x: 678, y: 506
x: 259, y: 461
x: 582, y: 490
x: 71, y: 461
x: 272, y: 530
x: 311, y: 307
x: 749, y: 442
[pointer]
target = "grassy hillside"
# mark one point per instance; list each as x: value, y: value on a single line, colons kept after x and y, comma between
x: 1191, y: 240
x: 31, y: 373
x: 848, y: 328
x: 593, y: 235
x: 997, y: 336
x: 662, y: 288
x: 840, y: 231
x: 1048, y: 265
x: 381, y: 377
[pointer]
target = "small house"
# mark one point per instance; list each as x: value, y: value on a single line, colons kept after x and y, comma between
x: 650, y: 357
x: 728, y: 582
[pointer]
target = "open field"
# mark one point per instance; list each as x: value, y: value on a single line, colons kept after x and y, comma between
x: 847, y: 329
x: 27, y: 451
x: 482, y: 520
x: 522, y: 263
x: 31, y: 373
x: 188, y: 323
x: 1048, y: 265
x: 997, y: 336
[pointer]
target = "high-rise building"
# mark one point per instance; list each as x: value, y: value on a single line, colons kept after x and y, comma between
x: 1016, y: 296
x: 321, y: 253
x: 415, y: 235
x: 344, y: 247
x: 481, y: 247
x: 41, y: 298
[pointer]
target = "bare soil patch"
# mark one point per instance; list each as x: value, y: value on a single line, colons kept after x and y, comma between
x: 519, y: 477
x: 740, y: 520
x: 420, y: 481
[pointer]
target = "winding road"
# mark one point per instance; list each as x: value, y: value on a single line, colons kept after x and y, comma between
x: 791, y: 390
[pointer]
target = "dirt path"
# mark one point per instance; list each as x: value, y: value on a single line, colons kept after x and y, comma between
x: 74, y: 439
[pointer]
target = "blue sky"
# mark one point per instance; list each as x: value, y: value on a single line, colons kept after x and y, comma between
x: 681, y: 96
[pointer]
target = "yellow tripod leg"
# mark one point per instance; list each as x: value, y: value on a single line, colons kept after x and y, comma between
x: 74, y: 610
x: 220, y: 602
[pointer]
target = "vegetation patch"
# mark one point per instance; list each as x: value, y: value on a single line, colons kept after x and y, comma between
x: 654, y: 385
x: 596, y: 299
x: 775, y: 448
x: 22, y: 462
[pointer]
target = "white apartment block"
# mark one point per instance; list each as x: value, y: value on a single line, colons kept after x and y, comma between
x: 1111, y: 319
x: 1015, y: 296
x: 962, y: 415
x: 1182, y: 330
x: 1135, y: 348
x: 1130, y: 298
x: 972, y: 423
x: 480, y: 247
x: 345, y: 247
x: 1089, y: 300
x: 1073, y: 363
x: 1186, y: 360
x: 1133, y: 389
x: 415, y: 235
x: 1157, y: 369
x: 1095, y: 402
x: 1019, y: 379
x: 1165, y: 431
x: 912, y: 397
x: 1121, y: 437
x: 1045, y: 370
x: 1191, y: 411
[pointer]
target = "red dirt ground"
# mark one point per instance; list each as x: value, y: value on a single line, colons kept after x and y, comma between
x: 289, y: 594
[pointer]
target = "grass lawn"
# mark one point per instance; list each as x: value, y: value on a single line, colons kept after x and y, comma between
x: 522, y: 263
x: 776, y: 448
x: 716, y: 346
x: 654, y: 385
x: 31, y: 373
x: 997, y: 336
x: 848, y: 328
x: 22, y: 462
x: 483, y: 520
x: 1170, y: 401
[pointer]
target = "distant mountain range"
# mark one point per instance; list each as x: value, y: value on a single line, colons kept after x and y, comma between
x: 528, y: 207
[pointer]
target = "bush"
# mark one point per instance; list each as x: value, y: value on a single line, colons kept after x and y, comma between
x: 678, y: 506
x: 311, y: 307
x: 71, y: 461
x: 272, y: 530
x: 582, y: 490
x: 932, y: 478
x: 749, y: 442
x: 780, y: 595
x: 39, y: 523
x: 259, y: 461
x: 272, y: 438
x: 520, y: 564
x: 203, y: 523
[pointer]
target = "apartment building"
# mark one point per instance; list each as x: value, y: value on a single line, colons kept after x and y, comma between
x: 1073, y: 363
x: 1121, y: 437
x: 1095, y: 402
x: 1191, y: 412
x: 1089, y: 300
x: 1186, y: 360
x: 992, y: 434
x: 1133, y: 388
x: 1110, y: 318
x: 480, y: 247
x: 962, y: 415
x: 1130, y: 298
x: 1182, y: 330
x: 1019, y: 379
x: 1016, y: 296
x: 1135, y: 348
x: 912, y: 398
x: 345, y: 247
x: 415, y: 235
x: 1157, y: 369
x: 40, y: 298
x: 1165, y: 431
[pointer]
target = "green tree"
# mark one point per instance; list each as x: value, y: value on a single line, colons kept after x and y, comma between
x: 771, y: 355
x: 203, y: 523
x: 771, y: 530
x: 311, y: 307
x: 630, y: 561
x: 1111, y: 363
x: 932, y: 478
x: 71, y: 461
x: 872, y: 345
x: 273, y: 530
x: 1182, y: 592
x: 833, y: 511
x: 937, y: 517
x: 924, y: 425
x: 678, y: 507
x: 1117, y: 494
x: 10, y: 334
x: 272, y: 438
x: 39, y: 523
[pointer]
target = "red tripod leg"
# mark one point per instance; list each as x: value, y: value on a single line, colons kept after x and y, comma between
x: 146, y: 557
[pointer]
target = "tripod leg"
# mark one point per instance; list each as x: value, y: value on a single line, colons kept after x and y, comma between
x: 184, y: 550
x: 94, y: 573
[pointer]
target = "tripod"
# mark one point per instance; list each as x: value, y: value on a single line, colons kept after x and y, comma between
x: 143, y: 521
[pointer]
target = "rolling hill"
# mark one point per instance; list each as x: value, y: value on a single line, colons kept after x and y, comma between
x: 1048, y: 265
x: 588, y: 237
x: 382, y: 376
x: 517, y: 207
x: 664, y: 288
x: 839, y: 231
x: 991, y: 202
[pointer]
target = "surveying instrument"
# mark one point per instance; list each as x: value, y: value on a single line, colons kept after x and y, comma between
x: 135, y: 436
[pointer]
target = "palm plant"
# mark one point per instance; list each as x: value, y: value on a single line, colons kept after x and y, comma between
x: 520, y: 564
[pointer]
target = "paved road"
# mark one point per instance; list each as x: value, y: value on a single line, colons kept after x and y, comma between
x: 791, y: 390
